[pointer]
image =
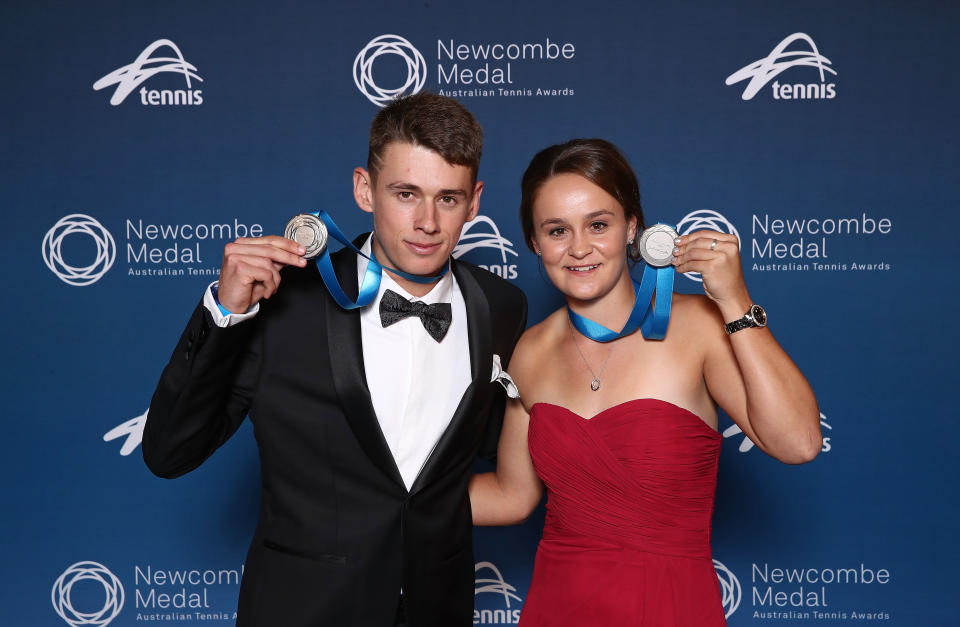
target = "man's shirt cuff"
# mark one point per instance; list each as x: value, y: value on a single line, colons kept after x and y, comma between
x: 222, y: 317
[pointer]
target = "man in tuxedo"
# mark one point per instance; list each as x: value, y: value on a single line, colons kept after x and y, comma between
x: 366, y: 420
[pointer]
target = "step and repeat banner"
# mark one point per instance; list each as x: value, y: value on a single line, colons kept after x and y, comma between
x: 139, y: 138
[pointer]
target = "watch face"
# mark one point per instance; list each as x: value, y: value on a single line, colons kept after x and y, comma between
x: 759, y: 315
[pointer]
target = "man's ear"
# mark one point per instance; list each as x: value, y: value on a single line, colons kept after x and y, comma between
x: 475, y: 201
x: 363, y: 189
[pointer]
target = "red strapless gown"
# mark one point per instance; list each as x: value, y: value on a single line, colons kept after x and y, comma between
x: 627, y: 534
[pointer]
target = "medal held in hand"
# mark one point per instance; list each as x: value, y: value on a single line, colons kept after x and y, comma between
x: 312, y: 231
x: 656, y: 245
x: 309, y: 231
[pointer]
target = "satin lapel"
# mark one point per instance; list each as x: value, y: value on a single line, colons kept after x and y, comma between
x: 349, y: 376
x: 481, y: 363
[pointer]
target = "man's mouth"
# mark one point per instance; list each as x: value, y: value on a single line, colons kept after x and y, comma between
x: 423, y: 248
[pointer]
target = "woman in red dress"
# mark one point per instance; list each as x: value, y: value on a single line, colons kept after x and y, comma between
x: 623, y: 432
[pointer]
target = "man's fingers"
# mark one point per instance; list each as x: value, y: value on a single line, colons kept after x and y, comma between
x: 237, y: 261
x: 256, y: 276
x: 251, y: 269
x: 273, y: 240
x: 273, y: 253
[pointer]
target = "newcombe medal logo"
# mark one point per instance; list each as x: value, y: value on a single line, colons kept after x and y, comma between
x: 390, y: 45
x: 729, y: 588
x: 764, y: 70
x: 128, y: 77
x: 67, y: 606
x: 73, y: 271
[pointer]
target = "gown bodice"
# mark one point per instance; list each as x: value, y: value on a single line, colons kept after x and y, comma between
x: 630, y: 495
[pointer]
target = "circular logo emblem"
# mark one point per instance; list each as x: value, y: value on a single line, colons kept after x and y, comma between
x: 112, y: 589
x: 704, y: 219
x: 729, y: 588
x: 388, y: 44
x: 78, y: 223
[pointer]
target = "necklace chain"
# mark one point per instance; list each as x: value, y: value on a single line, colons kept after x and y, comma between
x: 595, y: 384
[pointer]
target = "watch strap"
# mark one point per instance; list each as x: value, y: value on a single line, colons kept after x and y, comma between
x: 747, y: 321
x: 738, y: 325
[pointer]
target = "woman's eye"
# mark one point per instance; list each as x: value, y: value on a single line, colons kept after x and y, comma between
x: 598, y: 226
x: 557, y: 231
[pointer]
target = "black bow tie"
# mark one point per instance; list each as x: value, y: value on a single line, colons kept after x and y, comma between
x: 435, y: 318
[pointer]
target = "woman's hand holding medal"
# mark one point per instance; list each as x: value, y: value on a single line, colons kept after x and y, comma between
x: 716, y: 256
x: 251, y: 269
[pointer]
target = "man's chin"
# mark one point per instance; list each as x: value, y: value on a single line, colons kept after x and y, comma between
x: 425, y: 267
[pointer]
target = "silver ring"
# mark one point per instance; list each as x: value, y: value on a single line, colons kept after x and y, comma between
x: 713, y: 245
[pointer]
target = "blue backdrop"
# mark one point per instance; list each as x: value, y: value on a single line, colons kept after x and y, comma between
x: 137, y: 139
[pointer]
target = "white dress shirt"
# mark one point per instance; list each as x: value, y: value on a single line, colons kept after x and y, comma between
x: 415, y: 382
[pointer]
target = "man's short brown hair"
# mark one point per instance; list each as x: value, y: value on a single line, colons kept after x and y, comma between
x: 438, y: 123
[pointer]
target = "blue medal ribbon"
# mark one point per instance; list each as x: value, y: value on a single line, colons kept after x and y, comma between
x: 652, y: 323
x: 371, y: 278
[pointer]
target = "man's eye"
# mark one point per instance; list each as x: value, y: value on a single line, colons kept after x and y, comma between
x: 404, y: 195
x: 448, y: 200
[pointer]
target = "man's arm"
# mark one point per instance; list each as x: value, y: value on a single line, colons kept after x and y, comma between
x: 491, y: 436
x: 203, y: 394
x: 207, y: 387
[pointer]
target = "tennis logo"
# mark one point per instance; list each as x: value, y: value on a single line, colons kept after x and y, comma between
x: 393, y: 45
x: 705, y: 219
x: 131, y: 431
x: 494, y: 584
x: 764, y: 70
x: 729, y: 588
x: 65, y: 590
x: 128, y: 77
x: 482, y: 232
x: 74, y: 273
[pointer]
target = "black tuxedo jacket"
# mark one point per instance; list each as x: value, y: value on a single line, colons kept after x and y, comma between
x: 338, y: 534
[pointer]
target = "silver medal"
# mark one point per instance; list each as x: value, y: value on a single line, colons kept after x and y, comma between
x: 309, y: 231
x: 657, y: 244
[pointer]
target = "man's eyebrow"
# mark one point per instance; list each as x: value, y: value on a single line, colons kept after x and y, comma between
x: 403, y: 185
x: 410, y: 187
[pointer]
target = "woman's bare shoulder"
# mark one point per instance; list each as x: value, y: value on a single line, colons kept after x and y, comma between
x: 695, y: 312
x: 695, y: 321
x: 535, y: 343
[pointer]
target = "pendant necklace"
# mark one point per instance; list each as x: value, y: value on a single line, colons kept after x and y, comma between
x: 595, y: 384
